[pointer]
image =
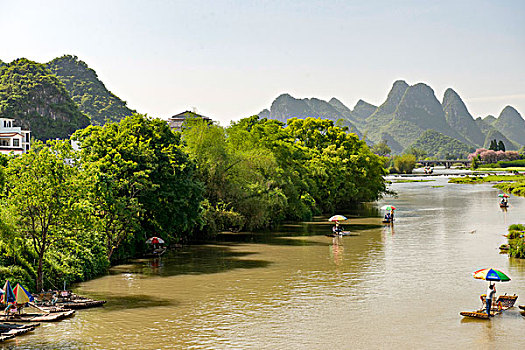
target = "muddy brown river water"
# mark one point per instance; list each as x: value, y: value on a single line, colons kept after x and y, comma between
x: 399, y: 287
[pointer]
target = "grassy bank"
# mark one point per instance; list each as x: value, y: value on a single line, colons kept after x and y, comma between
x: 488, y: 178
x: 514, y: 184
x: 511, y: 169
x: 403, y: 181
x: 516, y: 241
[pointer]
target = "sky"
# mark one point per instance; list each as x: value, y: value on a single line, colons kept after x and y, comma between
x: 230, y: 59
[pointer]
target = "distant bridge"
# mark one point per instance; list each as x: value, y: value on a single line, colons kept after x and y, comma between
x: 447, y: 163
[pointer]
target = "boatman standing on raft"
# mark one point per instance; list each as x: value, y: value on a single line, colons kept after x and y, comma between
x: 491, y: 292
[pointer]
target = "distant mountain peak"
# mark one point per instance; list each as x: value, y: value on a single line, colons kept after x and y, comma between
x: 510, y: 112
x: 459, y: 118
x: 511, y: 124
x: 363, y: 109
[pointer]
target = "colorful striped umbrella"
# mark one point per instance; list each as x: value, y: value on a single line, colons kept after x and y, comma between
x: 336, y: 218
x: 492, y: 275
x: 388, y: 207
x: 503, y: 195
x: 8, y: 296
x: 22, y: 296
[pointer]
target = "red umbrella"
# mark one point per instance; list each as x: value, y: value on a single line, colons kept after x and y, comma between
x: 155, y: 240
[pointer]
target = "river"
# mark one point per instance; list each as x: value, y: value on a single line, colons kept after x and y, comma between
x: 390, y: 287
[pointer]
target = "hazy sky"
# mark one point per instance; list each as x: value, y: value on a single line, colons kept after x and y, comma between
x: 230, y: 59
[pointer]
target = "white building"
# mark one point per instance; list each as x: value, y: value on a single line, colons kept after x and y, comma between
x: 13, y: 139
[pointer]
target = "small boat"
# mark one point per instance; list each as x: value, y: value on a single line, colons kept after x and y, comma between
x: 11, y: 330
x: 504, y: 205
x: 522, y: 307
x: 341, y: 234
x: 155, y: 253
x: 388, y: 221
x: 65, y: 300
x: 81, y: 304
x: 42, y: 317
x: 503, y: 303
x: 428, y: 170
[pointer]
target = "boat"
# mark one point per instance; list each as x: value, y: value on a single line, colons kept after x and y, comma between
x: 341, y: 234
x: 156, y: 252
x: 504, y: 302
x: 504, y: 205
x: 81, y: 304
x: 37, y: 317
x: 65, y: 300
x: 522, y: 307
x: 388, y: 221
x: 11, y: 330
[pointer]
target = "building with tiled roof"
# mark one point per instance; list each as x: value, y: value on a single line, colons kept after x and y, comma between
x: 177, y: 121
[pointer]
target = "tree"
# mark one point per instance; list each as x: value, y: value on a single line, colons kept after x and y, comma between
x: 140, y: 181
x: 42, y: 193
x: 417, y: 152
x: 501, y: 146
x: 405, y: 163
x: 493, y: 145
x: 381, y: 148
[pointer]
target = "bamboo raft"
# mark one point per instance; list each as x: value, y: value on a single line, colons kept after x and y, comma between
x: 67, y: 300
x: 44, y: 317
x: 503, y: 303
x: 11, y: 330
x: 341, y: 234
x: 81, y: 303
x: 522, y: 307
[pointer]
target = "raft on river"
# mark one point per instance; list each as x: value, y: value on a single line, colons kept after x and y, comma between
x: 66, y: 300
x: 43, y: 317
x: 503, y: 303
x: 341, y: 234
x: 11, y: 330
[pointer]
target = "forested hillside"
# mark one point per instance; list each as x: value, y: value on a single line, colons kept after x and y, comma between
x: 88, y: 92
x: 435, y: 144
x: 32, y: 95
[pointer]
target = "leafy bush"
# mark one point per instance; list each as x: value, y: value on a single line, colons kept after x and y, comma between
x: 405, y: 163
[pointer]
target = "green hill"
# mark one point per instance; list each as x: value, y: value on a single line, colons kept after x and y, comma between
x: 459, y: 118
x: 420, y: 109
x: 33, y: 96
x: 88, y: 92
x: 435, y: 144
x: 363, y: 109
x: 511, y: 124
x: 285, y: 107
x: 383, y: 115
x: 492, y: 134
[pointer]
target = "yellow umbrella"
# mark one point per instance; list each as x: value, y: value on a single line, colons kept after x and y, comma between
x: 22, y: 296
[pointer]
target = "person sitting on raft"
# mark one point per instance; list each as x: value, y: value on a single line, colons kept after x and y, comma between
x: 388, y: 217
x: 336, y: 229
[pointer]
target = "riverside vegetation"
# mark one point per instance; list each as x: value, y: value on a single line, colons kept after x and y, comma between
x: 68, y: 215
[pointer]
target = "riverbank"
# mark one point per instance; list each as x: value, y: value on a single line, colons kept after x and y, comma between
x: 514, y: 184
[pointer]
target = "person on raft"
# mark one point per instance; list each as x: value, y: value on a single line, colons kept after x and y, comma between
x: 388, y: 217
x: 337, y: 229
x: 491, y: 293
x: 10, y: 309
x: 504, y: 201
